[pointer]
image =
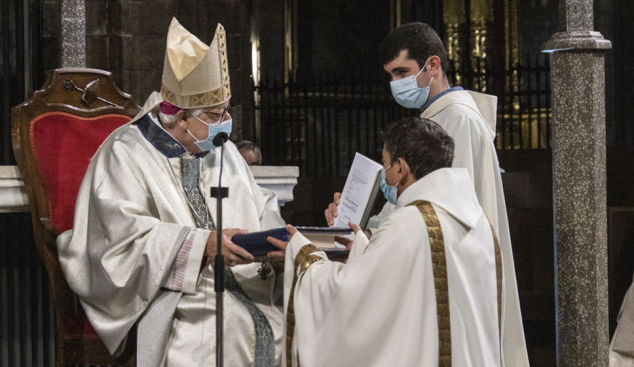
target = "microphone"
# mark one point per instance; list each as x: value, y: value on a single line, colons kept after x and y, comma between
x: 220, y: 139
x: 219, y: 263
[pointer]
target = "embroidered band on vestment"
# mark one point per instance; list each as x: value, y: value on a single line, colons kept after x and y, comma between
x: 303, y: 261
x: 264, y: 353
x: 190, y: 175
x: 441, y: 284
x: 498, y: 276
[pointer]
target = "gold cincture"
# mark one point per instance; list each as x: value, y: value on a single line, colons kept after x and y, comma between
x: 303, y: 261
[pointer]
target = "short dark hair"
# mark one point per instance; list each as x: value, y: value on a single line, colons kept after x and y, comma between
x: 248, y: 145
x: 422, y: 143
x: 419, y: 39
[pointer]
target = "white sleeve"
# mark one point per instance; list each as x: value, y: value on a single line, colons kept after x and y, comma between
x: 188, y: 262
x: 376, y: 220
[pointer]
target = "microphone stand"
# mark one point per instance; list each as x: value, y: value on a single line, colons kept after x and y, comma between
x: 219, y: 262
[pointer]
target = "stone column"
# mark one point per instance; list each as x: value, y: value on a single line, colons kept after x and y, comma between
x: 579, y: 185
x: 73, y: 35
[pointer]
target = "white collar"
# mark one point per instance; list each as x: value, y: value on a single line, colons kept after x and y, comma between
x: 483, y: 104
x: 450, y: 189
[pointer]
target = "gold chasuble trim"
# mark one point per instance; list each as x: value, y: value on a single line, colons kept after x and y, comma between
x: 498, y: 276
x: 303, y: 261
x: 439, y: 265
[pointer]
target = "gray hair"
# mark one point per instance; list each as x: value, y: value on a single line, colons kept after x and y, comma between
x: 422, y: 143
x: 170, y: 119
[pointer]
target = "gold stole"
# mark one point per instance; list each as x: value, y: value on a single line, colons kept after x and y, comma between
x: 498, y: 275
x: 303, y: 261
x: 439, y: 265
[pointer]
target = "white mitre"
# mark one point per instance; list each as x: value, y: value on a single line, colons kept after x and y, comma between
x: 194, y: 75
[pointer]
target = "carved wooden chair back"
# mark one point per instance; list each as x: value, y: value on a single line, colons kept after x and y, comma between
x: 55, y: 133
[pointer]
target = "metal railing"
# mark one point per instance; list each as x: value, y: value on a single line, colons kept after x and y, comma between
x: 319, y: 123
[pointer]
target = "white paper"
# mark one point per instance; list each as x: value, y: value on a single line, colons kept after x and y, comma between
x: 356, y: 192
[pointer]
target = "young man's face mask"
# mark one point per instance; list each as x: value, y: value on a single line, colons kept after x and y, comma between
x: 407, y: 93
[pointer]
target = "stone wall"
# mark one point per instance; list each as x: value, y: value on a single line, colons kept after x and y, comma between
x: 51, y: 30
x: 615, y: 19
x: 127, y: 37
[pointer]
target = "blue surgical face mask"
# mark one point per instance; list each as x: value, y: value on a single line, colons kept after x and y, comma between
x: 214, y: 129
x: 390, y: 192
x: 406, y: 91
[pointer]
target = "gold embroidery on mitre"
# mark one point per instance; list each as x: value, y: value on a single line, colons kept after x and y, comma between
x: 304, y: 259
x: 206, y: 99
x: 222, y: 54
x: 441, y: 283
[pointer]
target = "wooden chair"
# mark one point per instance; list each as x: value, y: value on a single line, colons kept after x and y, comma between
x: 55, y: 133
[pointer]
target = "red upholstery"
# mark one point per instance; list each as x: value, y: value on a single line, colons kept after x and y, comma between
x: 63, y: 145
x: 79, y: 326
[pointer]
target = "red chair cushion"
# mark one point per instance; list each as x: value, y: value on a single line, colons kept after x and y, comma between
x: 63, y: 145
x: 79, y: 327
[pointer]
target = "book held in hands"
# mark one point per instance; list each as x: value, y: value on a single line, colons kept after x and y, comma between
x: 359, y: 193
x: 256, y: 243
x: 357, y: 199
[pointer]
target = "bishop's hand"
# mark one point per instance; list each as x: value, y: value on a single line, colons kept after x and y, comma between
x: 233, y: 254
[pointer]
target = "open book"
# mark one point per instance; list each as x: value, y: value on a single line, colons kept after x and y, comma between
x: 359, y: 193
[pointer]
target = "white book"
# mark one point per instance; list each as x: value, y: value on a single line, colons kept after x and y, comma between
x: 324, y: 237
x: 359, y: 193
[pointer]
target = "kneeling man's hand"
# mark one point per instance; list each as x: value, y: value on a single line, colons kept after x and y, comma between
x: 331, y: 212
x: 348, y: 242
x: 279, y: 255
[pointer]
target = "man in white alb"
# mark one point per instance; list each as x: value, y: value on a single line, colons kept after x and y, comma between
x: 622, y: 344
x: 416, y: 60
x: 144, y: 228
x: 423, y: 291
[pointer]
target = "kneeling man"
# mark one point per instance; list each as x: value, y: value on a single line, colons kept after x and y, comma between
x: 424, y: 291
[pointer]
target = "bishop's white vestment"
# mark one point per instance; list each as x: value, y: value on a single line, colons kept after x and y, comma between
x: 379, y: 309
x: 470, y: 118
x: 136, y: 249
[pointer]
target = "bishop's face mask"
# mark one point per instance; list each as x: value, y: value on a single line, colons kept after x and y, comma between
x: 214, y: 129
x: 407, y: 93
x: 390, y: 192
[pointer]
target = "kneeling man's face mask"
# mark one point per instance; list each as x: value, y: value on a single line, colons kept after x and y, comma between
x: 214, y: 129
x: 390, y: 192
x: 406, y: 91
